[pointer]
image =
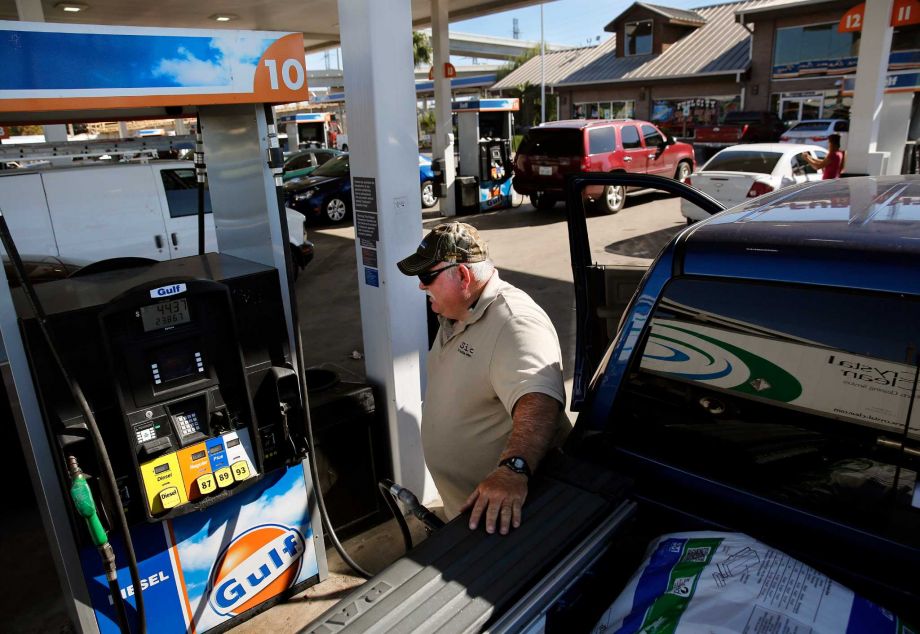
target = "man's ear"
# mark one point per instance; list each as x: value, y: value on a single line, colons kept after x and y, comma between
x: 466, y: 276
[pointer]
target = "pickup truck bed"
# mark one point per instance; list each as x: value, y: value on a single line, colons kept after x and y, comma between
x: 740, y: 127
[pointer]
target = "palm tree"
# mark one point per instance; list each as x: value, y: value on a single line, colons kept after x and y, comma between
x: 421, y: 48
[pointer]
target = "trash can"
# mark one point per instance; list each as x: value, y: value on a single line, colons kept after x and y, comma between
x: 352, y: 450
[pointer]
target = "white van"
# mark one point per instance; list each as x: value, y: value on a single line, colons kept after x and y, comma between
x: 96, y: 212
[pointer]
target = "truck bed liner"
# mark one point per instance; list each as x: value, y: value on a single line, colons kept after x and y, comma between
x: 458, y: 579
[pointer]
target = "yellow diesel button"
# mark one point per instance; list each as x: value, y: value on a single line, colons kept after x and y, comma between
x: 206, y: 484
x: 224, y: 477
x: 169, y: 497
x: 240, y: 470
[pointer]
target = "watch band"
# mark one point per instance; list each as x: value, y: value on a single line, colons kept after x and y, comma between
x: 516, y: 464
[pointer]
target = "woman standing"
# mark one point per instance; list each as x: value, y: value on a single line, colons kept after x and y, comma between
x: 832, y: 164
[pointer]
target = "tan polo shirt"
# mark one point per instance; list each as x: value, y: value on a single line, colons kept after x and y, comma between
x: 477, y: 370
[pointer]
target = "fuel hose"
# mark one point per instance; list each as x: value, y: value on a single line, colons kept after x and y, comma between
x: 108, y: 476
x: 276, y: 163
x: 83, y: 502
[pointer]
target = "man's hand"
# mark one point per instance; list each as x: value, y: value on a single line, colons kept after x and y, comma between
x: 501, y: 495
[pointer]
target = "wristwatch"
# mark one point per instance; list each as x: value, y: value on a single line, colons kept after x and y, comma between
x: 516, y: 464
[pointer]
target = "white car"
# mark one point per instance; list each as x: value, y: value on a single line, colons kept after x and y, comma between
x: 742, y: 172
x: 816, y: 131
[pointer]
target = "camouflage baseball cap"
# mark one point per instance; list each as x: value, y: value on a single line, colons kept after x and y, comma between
x: 448, y: 242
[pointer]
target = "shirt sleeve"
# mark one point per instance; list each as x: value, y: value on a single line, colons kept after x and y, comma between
x: 526, y: 359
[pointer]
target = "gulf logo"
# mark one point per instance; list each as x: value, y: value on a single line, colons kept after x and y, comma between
x: 257, y: 565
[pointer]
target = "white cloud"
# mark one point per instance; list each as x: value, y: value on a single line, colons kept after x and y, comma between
x: 289, y: 508
x: 188, y: 70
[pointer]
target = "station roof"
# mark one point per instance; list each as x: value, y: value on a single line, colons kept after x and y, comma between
x: 317, y: 19
x: 721, y: 46
x: 557, y: 65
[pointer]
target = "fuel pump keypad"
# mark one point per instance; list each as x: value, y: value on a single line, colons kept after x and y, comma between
x: 187, y: 423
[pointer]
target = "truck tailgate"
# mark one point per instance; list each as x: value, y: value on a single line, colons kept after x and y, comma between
x: 458, y: 579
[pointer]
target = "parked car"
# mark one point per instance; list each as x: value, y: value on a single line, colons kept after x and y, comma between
x: 41, y: 268
x: 551, y: 151
x: 741, y: 172
x: 816, y: 131
x: 326, y: 193
x: 740, y: 127
x: 304, y: 162
x: 427, y: 182
x: 113, y: 210
x: 759, y: 383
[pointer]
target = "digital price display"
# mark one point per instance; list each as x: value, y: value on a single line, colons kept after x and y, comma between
x: 165, y: 314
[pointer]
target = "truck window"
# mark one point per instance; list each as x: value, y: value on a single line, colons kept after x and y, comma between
x: 630, y: 137
x: 800, y: 395
x: 552, y: 142
x: 182, y: 192
x: 601, y: 140
x: 652, y: 136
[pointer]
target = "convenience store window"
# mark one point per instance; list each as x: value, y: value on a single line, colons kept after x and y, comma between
x: 604, y: 109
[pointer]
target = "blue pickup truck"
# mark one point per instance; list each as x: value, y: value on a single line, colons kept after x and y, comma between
x: 762, y: 382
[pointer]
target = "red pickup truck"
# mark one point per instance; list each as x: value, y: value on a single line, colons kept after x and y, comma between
x: 741, y: 127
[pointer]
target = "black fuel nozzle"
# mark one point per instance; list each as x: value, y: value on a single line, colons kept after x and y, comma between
x: 410, y: 501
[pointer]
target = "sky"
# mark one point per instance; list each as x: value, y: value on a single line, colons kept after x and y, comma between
x: 567, y: 22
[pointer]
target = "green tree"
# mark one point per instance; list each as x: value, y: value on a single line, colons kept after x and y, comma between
x: 421, y: 48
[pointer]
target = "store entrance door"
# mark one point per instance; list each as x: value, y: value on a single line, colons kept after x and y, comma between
x: 793, y: 109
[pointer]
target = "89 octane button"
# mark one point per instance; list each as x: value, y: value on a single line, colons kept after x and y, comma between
x: 240, y: 470
x: 224, y: 477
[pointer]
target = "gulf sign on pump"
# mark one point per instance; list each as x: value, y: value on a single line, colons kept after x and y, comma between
x: 69, y: 66
x: 202, y: 569
x: 258, y: 565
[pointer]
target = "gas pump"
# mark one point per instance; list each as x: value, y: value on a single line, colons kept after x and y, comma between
x: 485, y: 128
x: 169, y: 390
x: 309, y: 129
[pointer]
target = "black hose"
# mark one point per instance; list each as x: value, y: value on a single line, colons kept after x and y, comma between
x: 201, y: 177
x: 76, y: 392
x: 277, y: 165
x: 121, y: 612
x: 394, y: 508
x: 407, y: 497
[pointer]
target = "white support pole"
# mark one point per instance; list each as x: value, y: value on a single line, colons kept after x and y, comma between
x: 381, y: 101
x: 542, y: 70
x: 443, y: 144
x: 871, y: 71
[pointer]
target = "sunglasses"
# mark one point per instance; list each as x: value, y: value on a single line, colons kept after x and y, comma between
x: 427, y: 277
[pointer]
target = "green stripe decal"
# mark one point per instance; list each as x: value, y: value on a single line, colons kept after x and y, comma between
x: 782, y: 385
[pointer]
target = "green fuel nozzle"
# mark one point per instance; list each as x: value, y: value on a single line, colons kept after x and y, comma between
x: 83, y: 501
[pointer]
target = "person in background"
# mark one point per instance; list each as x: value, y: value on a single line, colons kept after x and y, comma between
x: 493, y: 405
x: 834, y: 163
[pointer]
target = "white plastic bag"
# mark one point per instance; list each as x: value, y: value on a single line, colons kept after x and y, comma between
x: 719, y: 583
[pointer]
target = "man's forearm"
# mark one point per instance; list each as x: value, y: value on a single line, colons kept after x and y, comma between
x: 535, y: 424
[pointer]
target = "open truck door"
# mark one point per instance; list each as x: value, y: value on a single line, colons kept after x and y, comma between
x: 602, y: 292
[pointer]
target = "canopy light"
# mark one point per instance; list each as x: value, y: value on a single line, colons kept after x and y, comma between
x: 71, y: 7
x: 224, y: 17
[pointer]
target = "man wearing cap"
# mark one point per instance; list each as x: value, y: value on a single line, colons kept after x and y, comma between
x: 493, y: 405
